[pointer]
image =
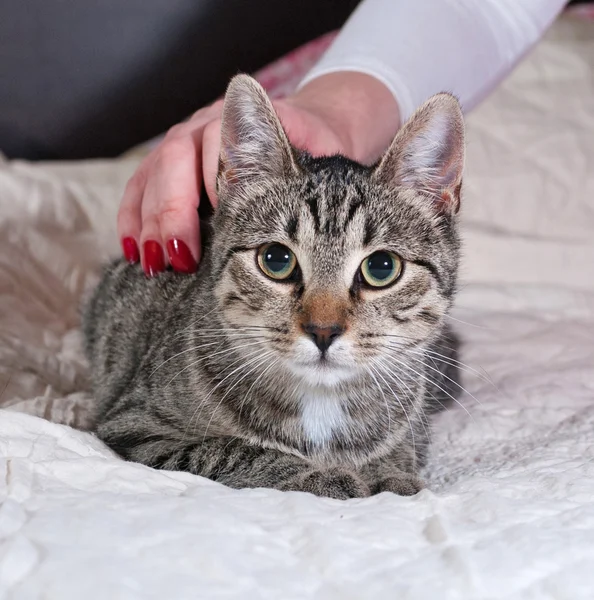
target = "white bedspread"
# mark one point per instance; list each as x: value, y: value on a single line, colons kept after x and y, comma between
x: 509, y: 512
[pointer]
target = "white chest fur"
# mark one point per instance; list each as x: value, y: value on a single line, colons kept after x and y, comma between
x: 322, y: 416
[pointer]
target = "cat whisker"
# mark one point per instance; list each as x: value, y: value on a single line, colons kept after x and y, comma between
x: 253, y: 357
x: 400, y: 381
x: 466, y: 322
x: 239, y: 328
x: 457, y: 363
x: 448, y: 378
x: 415, y: 341
x: 196, y: 321
x: 418, y: 344
x: 193, y: 348
x: 259, y: 361
x: 189, y: 329
x: 231, y: 335
x: 432, y: 383
x: 196, y: 332
x: 203, y: 400
x: 371, y: 370
x: 243, y: 402
x: 392, y: 368
x: 210, y: 356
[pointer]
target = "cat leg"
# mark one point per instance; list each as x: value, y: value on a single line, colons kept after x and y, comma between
x: 237, y: 464
x: 333, y: 482
x: 392, y: 474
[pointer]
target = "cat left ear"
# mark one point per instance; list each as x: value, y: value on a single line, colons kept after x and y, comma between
x: 427, y: 154
x: 253, y: 142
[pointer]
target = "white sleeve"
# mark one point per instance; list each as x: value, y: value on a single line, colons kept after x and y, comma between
x: 418, y: 48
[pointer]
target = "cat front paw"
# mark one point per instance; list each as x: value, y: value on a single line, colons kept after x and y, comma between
x: 403, y: 484
x: 330, y: 483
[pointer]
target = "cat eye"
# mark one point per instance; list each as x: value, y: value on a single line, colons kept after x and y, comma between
x: 380, y: 269
x: 277, y: 261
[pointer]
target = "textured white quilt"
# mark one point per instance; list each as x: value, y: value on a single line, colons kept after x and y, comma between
x: 509, y: 512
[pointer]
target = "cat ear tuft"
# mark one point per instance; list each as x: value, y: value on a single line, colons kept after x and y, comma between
x: 253, y: 142
x: 427, y: 154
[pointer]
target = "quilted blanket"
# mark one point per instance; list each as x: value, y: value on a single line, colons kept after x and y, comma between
x: 509, y: 508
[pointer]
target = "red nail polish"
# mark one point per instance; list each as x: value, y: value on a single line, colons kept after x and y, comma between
x: 130, y: 250
x: 180, y: 257
x: 154, y: 261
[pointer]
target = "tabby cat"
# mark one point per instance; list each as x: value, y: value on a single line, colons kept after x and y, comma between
x: 310, y: 347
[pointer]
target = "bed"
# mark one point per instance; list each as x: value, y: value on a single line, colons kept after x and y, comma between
x: 509, y: 508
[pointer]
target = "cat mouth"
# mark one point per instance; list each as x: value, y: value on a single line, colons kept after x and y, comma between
x: 322, y: 371
x: 322, y: 362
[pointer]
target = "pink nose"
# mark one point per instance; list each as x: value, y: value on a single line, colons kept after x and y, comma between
x: 323, y: 335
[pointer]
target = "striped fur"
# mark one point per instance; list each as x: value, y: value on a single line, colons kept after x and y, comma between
x: 213, y: 373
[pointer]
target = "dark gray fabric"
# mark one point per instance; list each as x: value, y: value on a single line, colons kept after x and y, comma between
x: 85, y: 78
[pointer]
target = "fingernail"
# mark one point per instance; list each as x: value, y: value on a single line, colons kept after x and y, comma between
x: 130, y: 250
x: 180, y: 257
x: 154, y: 261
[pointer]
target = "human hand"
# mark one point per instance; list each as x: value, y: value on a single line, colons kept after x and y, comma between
x: 340, y: 113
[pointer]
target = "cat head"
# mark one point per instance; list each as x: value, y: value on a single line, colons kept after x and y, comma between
x: 337, y: 264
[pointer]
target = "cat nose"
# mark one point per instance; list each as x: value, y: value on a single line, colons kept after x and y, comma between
x: 323, y: 335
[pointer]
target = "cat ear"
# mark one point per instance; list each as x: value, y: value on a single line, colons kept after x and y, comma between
x: 253, y: 143
x: 427, y: 154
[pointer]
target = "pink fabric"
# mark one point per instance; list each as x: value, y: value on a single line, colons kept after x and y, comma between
x: 584, y: 11
x: 282, y: 76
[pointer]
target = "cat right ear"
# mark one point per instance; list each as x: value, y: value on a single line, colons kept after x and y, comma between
x: 427, y: 154
x: 253, y: 143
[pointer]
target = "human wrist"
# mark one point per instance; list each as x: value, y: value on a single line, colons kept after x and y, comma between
x: 360, y: 108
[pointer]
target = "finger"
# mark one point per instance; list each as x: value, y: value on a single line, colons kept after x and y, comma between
x: 211, y: 147
x: 169, y: 207
x: 129, y: 220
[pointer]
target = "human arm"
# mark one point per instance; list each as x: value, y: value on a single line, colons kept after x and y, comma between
x: 390, y: 56
x: 418, y: 48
